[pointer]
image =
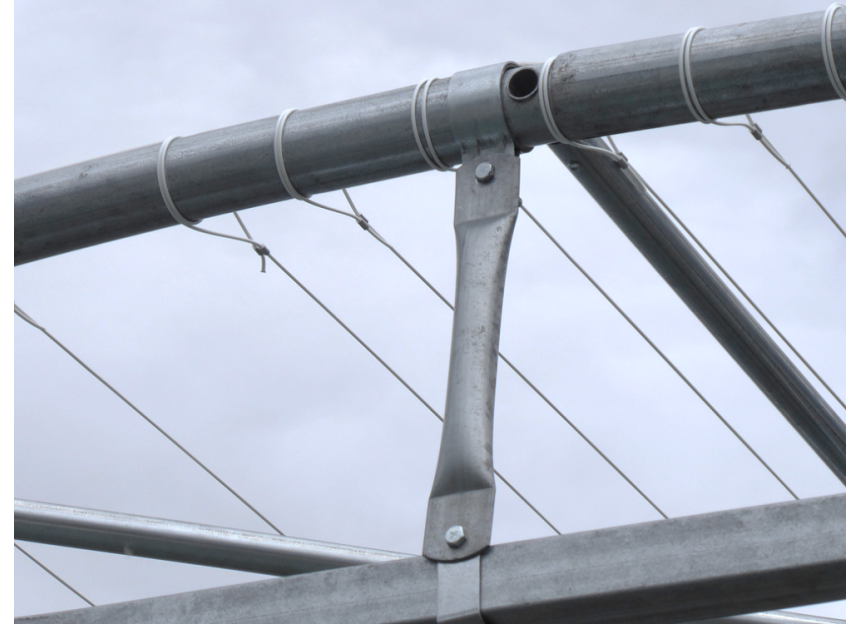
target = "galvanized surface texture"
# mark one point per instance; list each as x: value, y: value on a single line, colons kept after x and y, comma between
x: 737, y: 69
x: 184, y: 542
x: 684, y: 569
x: 485, y: 212
x: 68, y: 209
x: 686, y: 271
x: 464, y: 490
x: 475, y: 111
x: 459, y: 592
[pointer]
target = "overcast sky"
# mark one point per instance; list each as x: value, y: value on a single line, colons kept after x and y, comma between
x: 247, y: 372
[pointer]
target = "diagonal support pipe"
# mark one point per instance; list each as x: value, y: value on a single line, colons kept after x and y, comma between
x: 677, y: 261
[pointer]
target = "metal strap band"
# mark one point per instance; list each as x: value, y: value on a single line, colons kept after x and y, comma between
x: 459, y: 592
x: 475, y: 110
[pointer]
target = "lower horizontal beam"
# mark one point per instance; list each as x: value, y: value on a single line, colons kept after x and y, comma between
x: 184, y: 542
x: 680, y: 570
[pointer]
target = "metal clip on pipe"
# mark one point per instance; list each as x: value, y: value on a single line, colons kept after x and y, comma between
x: 460, y: 510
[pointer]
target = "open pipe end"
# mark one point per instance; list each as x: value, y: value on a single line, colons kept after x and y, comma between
x: 523, y: 84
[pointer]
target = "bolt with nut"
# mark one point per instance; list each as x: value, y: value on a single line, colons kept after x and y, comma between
x: 455, y: 536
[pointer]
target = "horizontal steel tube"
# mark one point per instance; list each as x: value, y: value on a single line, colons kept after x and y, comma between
x: 698, y: 286
x: 170, y: 540
x: 184, y: 542
x: 678, y: 570
x: 606, y: 90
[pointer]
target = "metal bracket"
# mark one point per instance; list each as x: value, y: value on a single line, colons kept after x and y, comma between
x: 460, y: 510
x: 459, y: 592
x: 475, y: 111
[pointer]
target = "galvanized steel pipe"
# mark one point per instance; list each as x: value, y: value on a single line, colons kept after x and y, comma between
x: 613, y: 89
x: 680, y: 570
x: 686, y: 271
x: 184, y: 542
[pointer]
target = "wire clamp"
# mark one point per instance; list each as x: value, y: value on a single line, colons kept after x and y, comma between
x: 294, y: 193
x: 685, y: 68
x: 552, y: 125
x: 161, y: 174
x: 262, y: 251
x: 429, y: 154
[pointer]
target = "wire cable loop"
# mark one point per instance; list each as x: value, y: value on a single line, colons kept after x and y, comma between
x: 827, y: 49
x: 432, y: 158
x: 552, y: 126
x: 686, y: 70
x: 161, y: 173
x: 686, y: 73
x: 261, y: 250
x: 359, y: 218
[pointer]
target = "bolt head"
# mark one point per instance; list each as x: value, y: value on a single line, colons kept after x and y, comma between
x: 484, y: 172
x: 574, y: 166
x: 455, y: 536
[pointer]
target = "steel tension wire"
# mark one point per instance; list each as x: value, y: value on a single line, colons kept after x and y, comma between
x: 658, y: 351
x: 516, y: 370
x: 728, y: 276
x: 432, y: 159
x: 294, y: 193
x: 360, y: 220
x: 397, y: 376
x: 692, y: 100
x: 531, y: 385
x: 46, y: 569
x: 161, y: 173
x: 29, y: 320
x: 621, y: 160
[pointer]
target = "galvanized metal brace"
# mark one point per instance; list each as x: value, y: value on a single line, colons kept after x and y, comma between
x: 460, y: 510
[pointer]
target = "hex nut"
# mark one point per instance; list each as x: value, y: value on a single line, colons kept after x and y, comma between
x: 455, y: 536
x: 484, y: 172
